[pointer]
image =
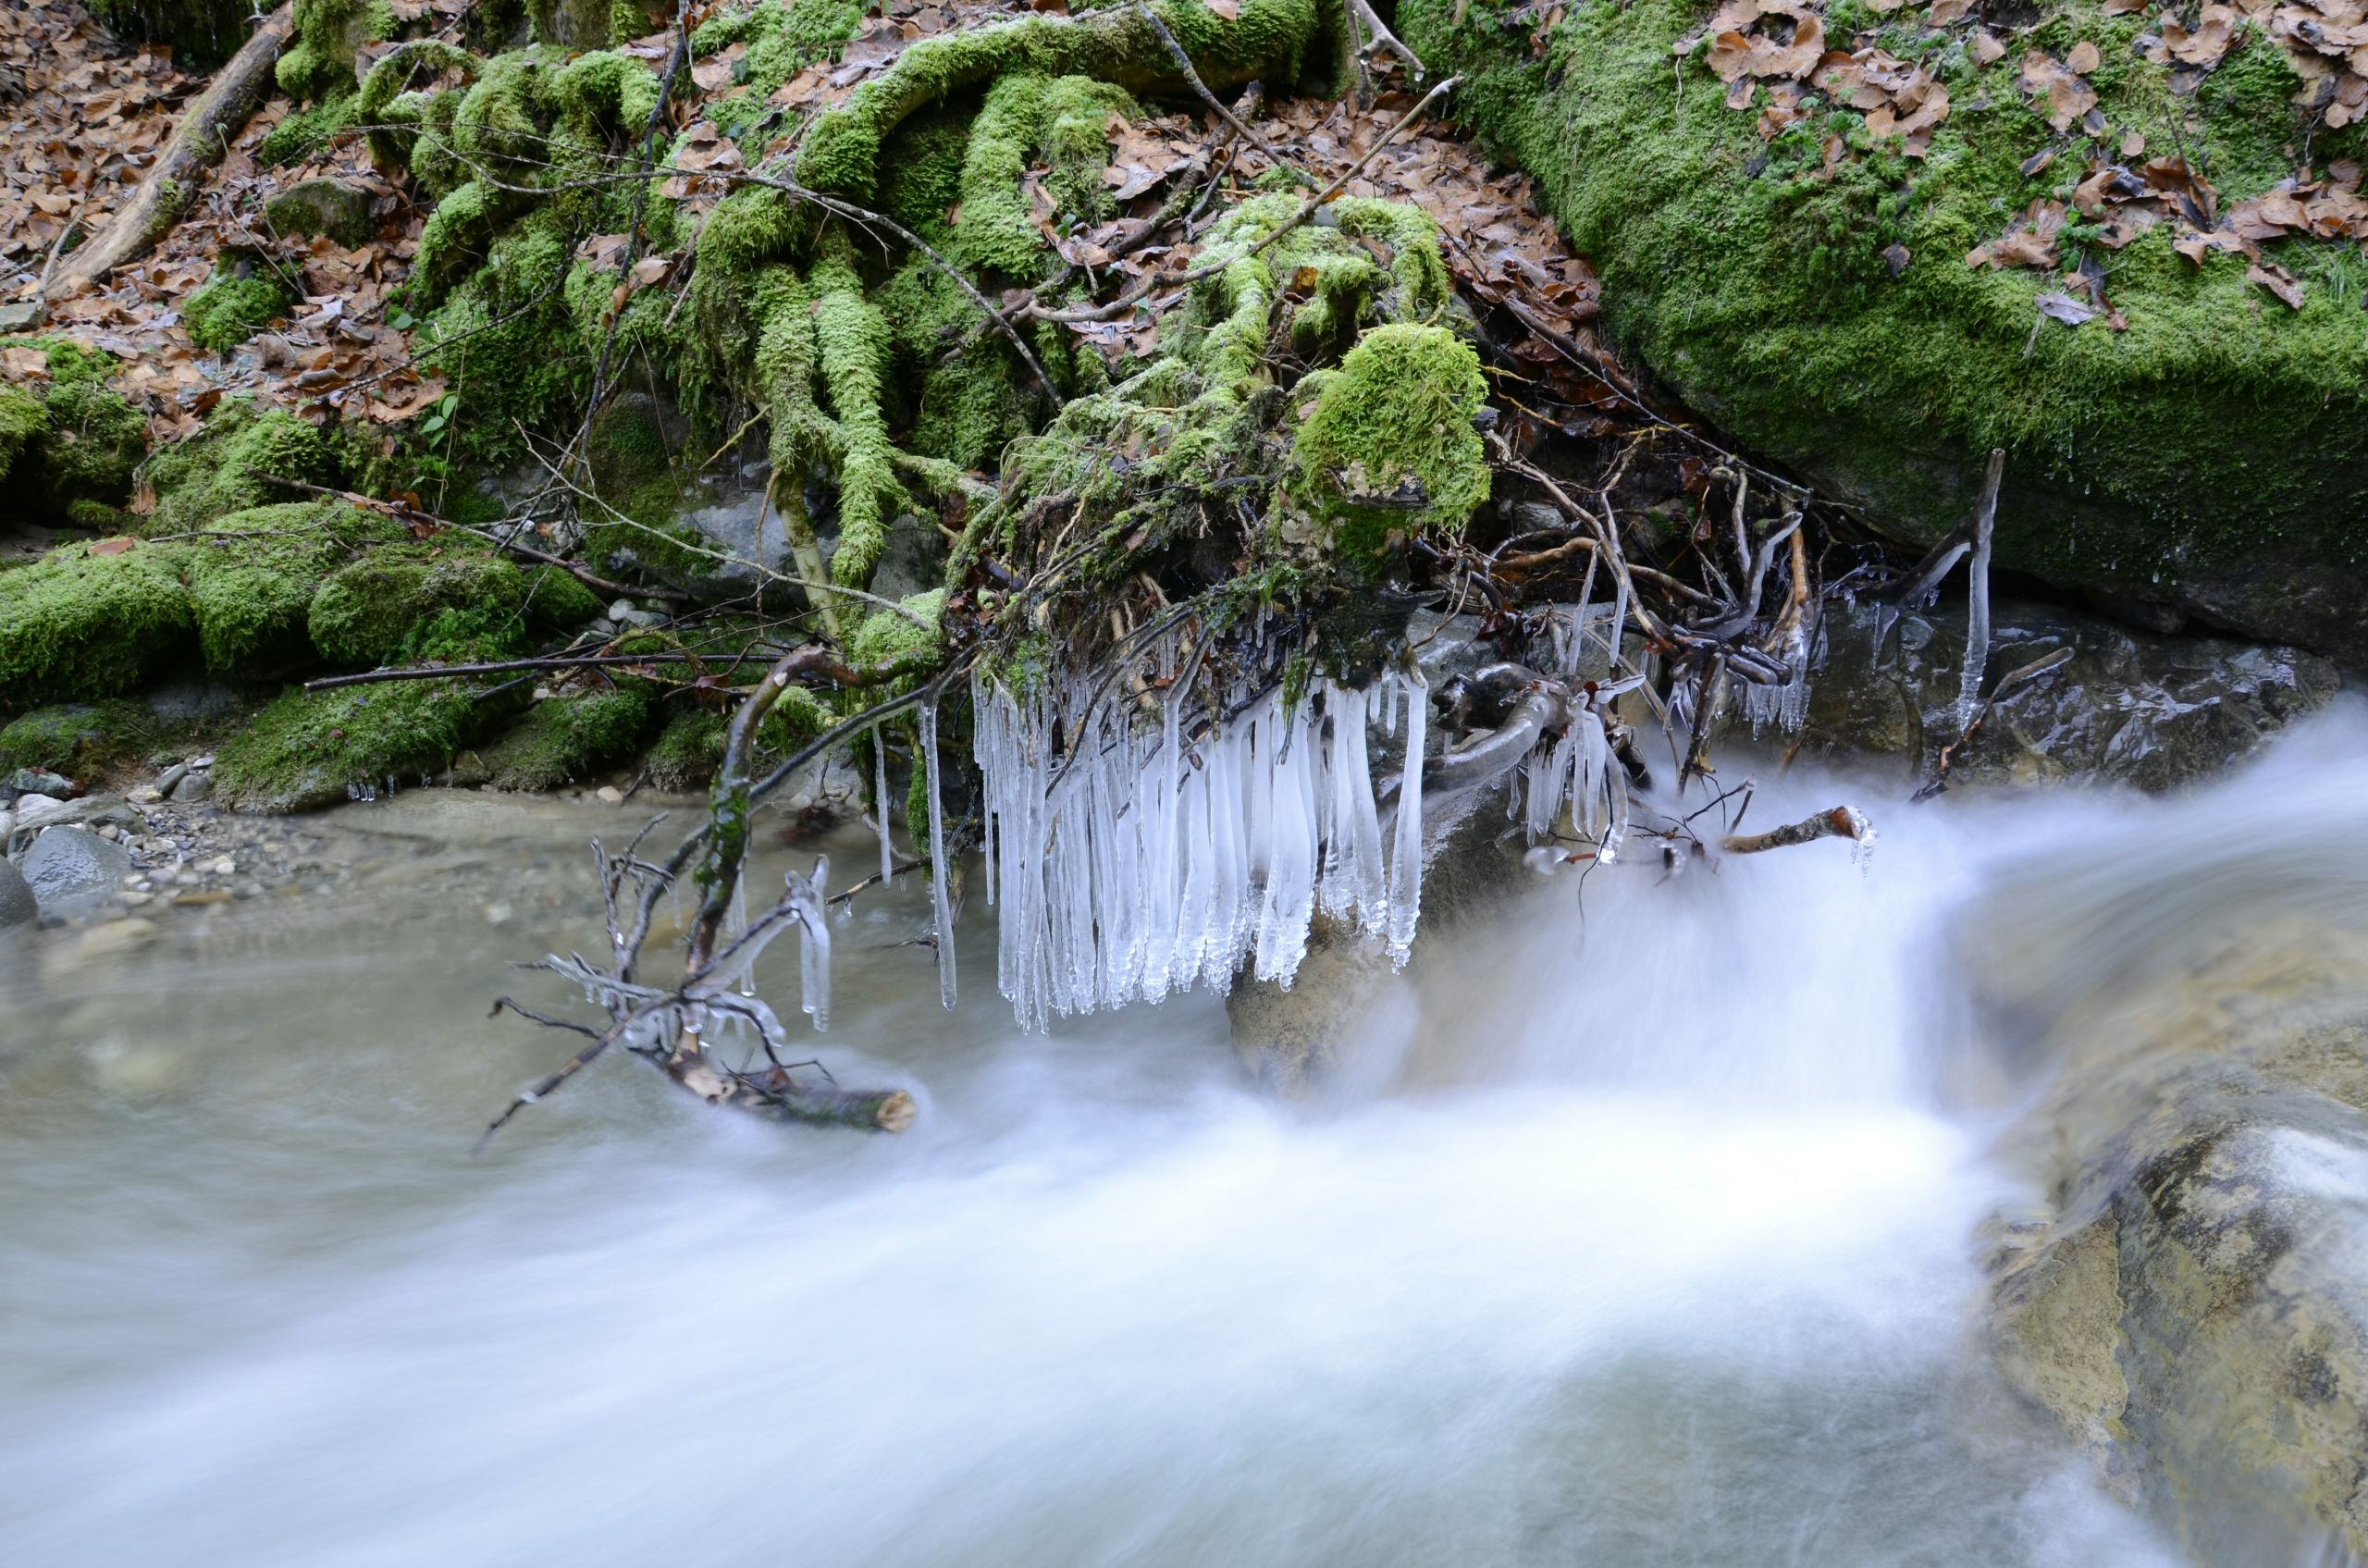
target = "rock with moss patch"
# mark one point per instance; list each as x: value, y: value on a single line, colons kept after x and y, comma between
x: 567, y: 739
x: 76, y: 739
x: 418, y: 603
x: 688, y: 751
x: 87, y: 622
x: 1802, y: 275
x: 337, y: 209
x: 76, y: 464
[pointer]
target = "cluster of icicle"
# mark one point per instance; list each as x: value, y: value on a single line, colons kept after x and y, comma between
x: 1177, y: 839
x: 1786, y: 706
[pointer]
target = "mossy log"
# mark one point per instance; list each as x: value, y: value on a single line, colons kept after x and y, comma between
x: 1804, y: 278
x: 200, y: 141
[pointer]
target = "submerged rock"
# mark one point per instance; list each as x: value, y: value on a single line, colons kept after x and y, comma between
x: 2131, y: 707
x: 2196, y: 1307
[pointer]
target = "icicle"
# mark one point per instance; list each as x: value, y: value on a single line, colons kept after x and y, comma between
x: 879, y: 803
x: 1406, y: 856
x: 814, y: 947
x: 934, y: 781
x: 736, y: 922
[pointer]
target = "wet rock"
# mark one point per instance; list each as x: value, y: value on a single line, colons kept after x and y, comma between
x: 192, y: 787
x: 18, y: 905
x: 37, y: 781
x: 1292, y: 1040
x: 35, y: 808
x: 72, y: 871
x: 2131, y: 707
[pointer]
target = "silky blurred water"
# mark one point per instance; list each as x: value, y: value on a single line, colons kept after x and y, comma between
x: 1643, y: 1233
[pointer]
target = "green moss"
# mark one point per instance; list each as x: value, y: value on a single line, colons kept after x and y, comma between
x: 76, y: 626
x: 565, y: 738
x: 1269, y: 40
x: 852, y: 338
x: 412, y: 602
x: 2220, y: 430
x: 304, y: 134
x: 688, y: 751
x: 232, y: 306
x: 76, y: 739
x: 318, y: 61
x: 887, y: 637
x: 556, y: 599
x: 1391, y: 449
x: 24, y: 419
x: 1057, y: 124
x: 310, y: 749
x: 93, y: 441
x: 253, y: 576
x: 219, y: 470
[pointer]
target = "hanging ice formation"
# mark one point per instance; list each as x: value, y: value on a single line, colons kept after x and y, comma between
x: 1786, y: 704
x: 1165, y: 840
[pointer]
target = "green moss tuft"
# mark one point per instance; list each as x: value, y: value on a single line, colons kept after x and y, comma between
x: 415, y: 602
x: 24, y: 420
x: 1391, y: 449
x: 77, y: 739
x: 687, y: 753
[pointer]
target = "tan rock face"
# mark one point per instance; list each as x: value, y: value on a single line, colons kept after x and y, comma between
x: 2195, y: 1309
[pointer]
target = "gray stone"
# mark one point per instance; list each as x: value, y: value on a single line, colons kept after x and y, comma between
x: 72, y: 871
x: 22, y: 317
x: 334, y: 207
x: 192, y: 787
x: 18, y: 905
x: 912, y: 560
x: 2132, y: 706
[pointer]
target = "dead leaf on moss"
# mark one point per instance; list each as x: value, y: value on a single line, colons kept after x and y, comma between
x: 1985, y: 48
x: 2068, y: 98
x: 2277, y: 280
x: 2083, y: 58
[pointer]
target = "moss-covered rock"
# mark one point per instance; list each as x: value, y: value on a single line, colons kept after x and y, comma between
x: 337, y: 209
x: 221, y: 469
x: 1810, y: 289
x: 688, y: 751
x: 566, y: 738
x: 24, y: 420
x: 92, y: 620
x: 77, y: 464
x: 253, y: 576
x: 240, y: 300
x: 311, y: 749
x: 75, y: 739
x: 419, y: 602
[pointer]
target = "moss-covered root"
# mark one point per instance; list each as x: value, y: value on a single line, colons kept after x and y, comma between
x: 1278, y: 42
x: 311, y: 749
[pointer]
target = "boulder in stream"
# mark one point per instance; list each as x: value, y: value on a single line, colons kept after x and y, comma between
x: 2131, y: 707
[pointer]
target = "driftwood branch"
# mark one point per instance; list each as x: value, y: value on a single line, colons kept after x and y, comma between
x: 1843, y: 821
x: 203, y: 137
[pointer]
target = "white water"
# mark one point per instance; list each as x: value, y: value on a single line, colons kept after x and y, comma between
x: 1650, y: 1242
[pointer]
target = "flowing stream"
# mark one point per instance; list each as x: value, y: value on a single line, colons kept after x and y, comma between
x: 1642, y: 1232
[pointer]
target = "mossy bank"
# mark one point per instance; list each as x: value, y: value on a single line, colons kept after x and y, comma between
x: 1805, y: 281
